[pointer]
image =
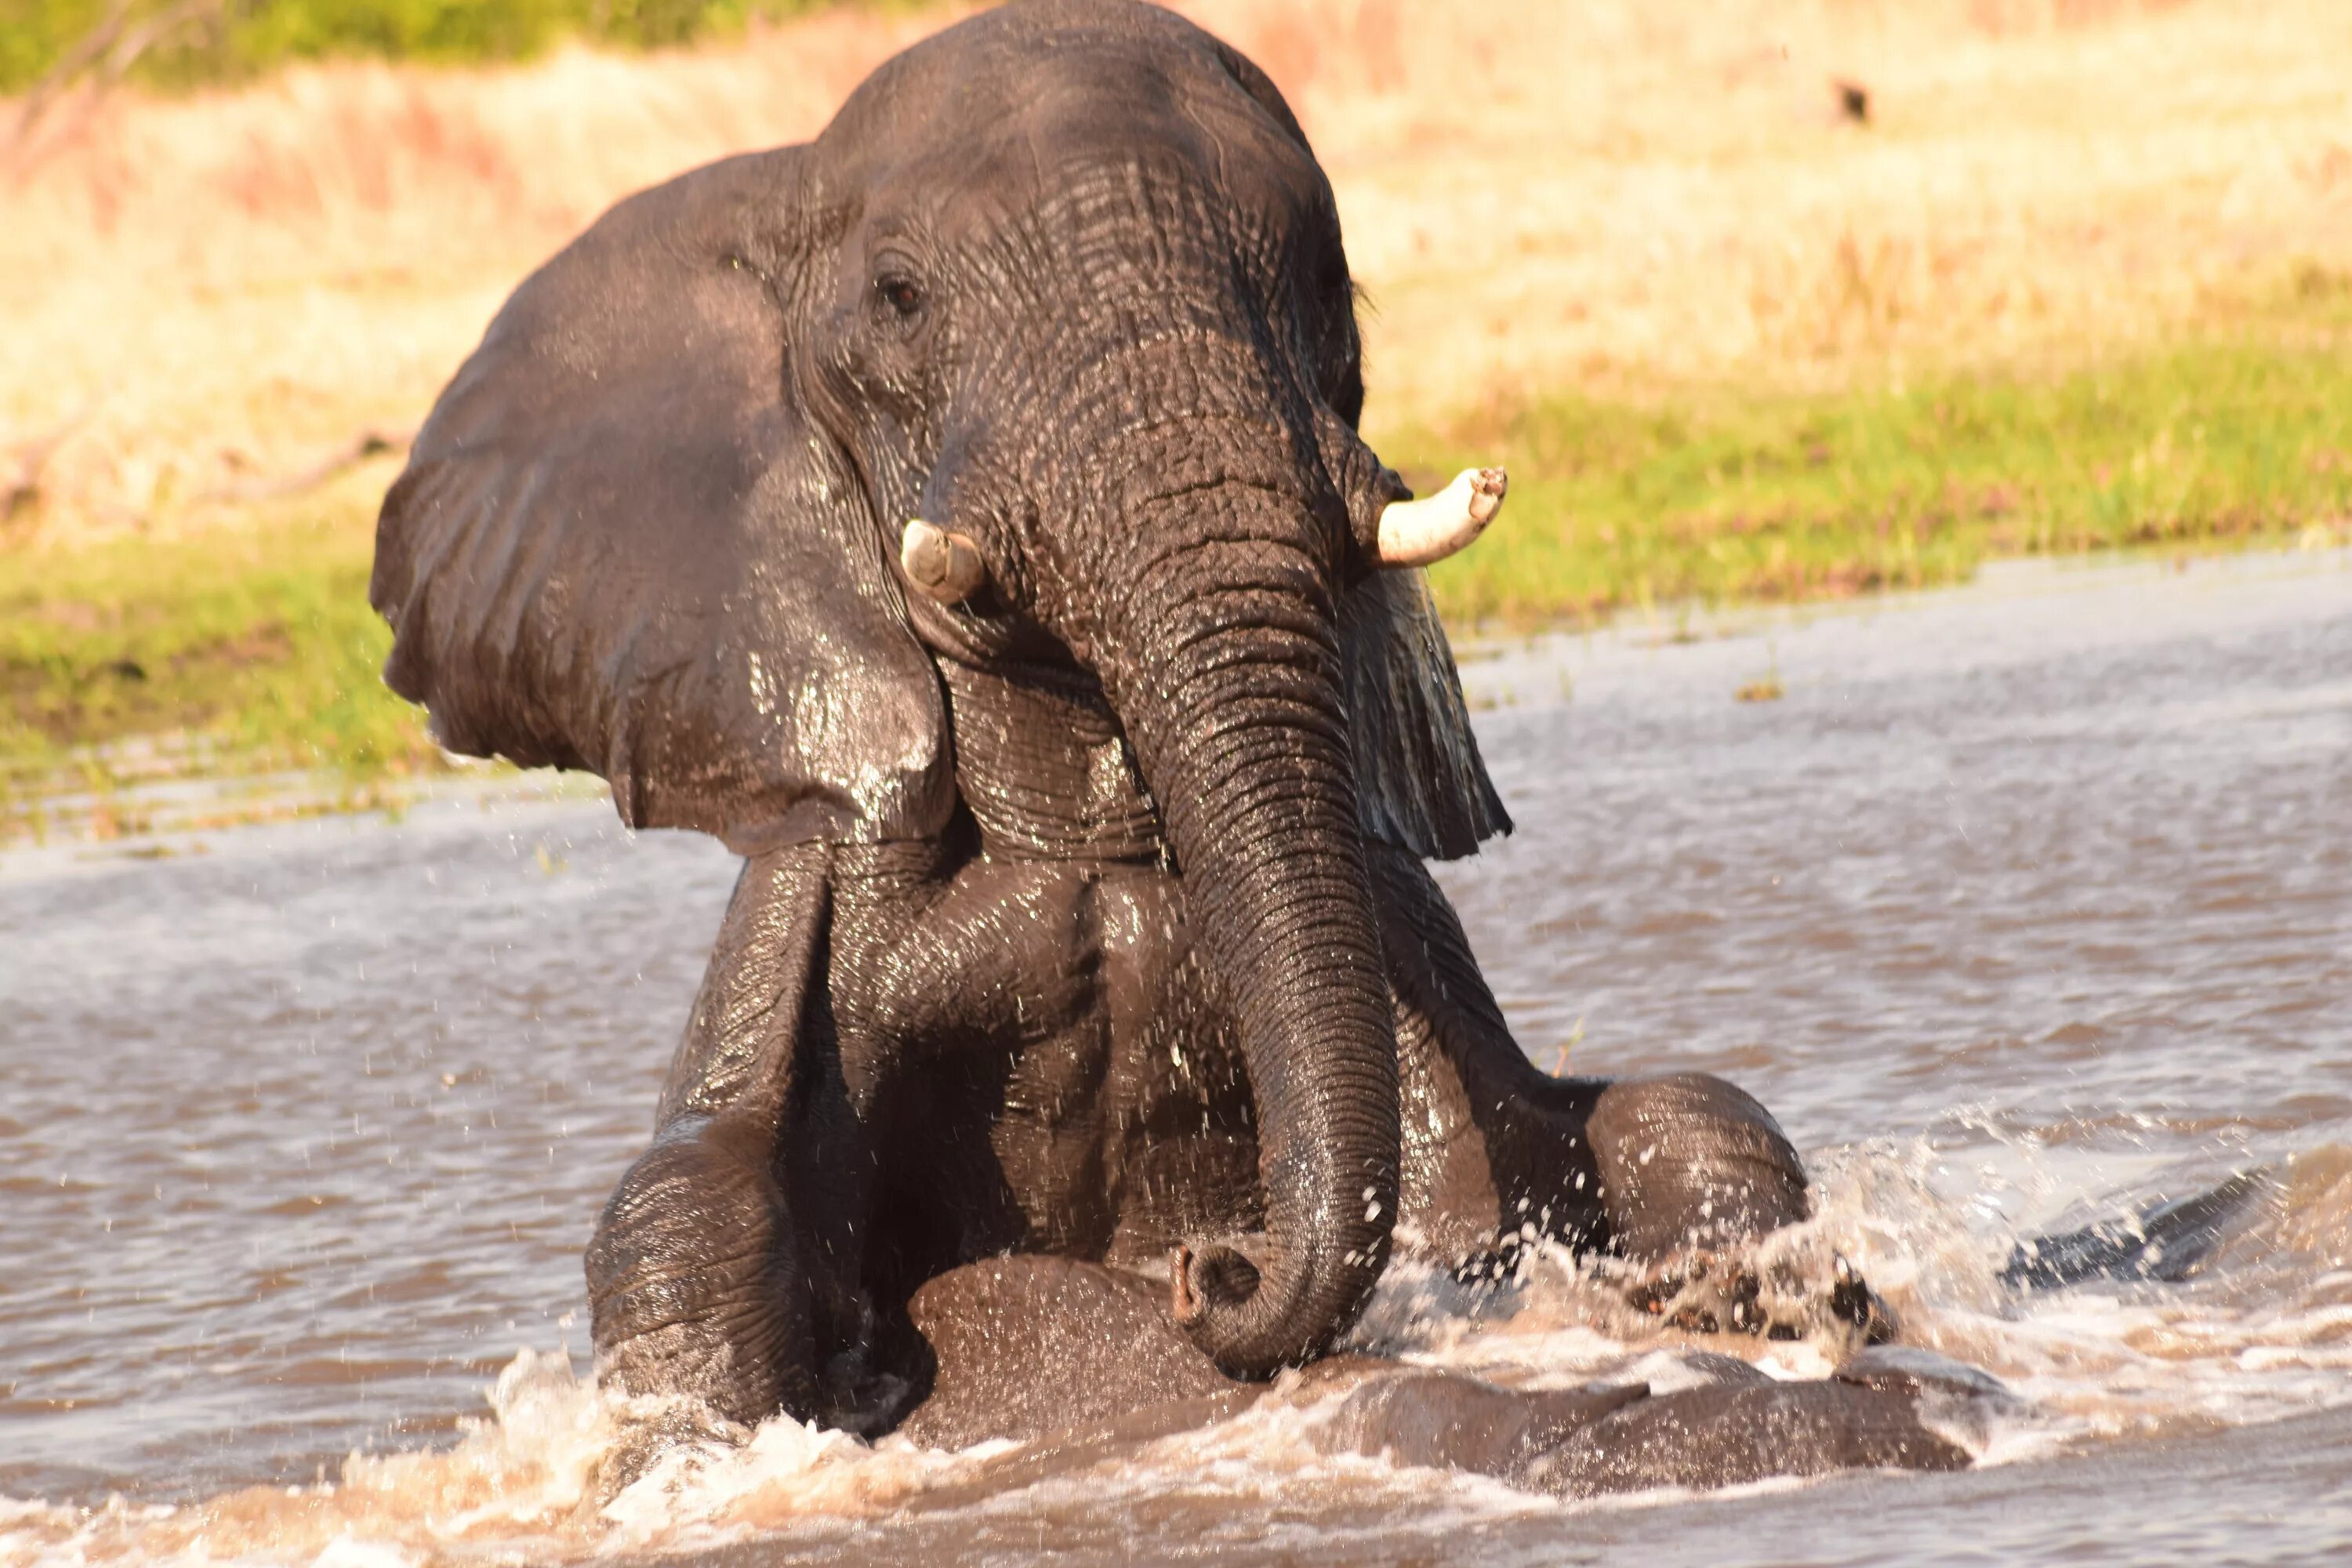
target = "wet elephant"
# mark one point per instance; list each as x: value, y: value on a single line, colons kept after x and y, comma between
x: 963, y: 516
x: 1078, y: 1365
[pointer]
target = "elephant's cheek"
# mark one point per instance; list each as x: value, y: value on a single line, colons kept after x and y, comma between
x: 695, y: 1283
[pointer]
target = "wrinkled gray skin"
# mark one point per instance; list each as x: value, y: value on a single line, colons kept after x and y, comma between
x: 1077, y: 1362
x: 1087, y: 916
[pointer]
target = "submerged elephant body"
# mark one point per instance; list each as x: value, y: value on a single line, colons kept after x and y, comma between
x: 963, y: 516
x: 1076, y: 1363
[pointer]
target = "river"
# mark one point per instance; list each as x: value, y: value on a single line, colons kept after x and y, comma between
x: 2025, y: 903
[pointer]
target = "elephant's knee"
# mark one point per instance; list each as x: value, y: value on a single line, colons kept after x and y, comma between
x: 1688, y: 1159
x: 694, y: 1280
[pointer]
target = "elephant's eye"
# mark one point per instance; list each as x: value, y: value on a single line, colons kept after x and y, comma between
x: 901, y: 296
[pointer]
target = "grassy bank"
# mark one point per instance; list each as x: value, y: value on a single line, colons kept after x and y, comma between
x: 1734, y: 341
x: 1719, y: 498
x: 192, y: 43
x: 257, y: 647
x: 211, y: 291
x: 230, y: 653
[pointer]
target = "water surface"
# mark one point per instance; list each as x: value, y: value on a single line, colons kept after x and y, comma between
x: 2026, y: 903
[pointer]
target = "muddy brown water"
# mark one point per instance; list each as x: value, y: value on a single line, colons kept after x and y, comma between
x: 2027, y: 904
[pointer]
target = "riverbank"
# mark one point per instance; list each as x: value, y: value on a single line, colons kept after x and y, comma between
x: 1720, y: 494
x: 2065, y: 276
x: 233, y: 653
x: 250, y: 650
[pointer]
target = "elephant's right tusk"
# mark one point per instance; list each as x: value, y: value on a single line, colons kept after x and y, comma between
x: 1417, y: 532
x: 945, y: 566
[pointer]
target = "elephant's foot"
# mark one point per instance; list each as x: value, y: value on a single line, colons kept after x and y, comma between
x: 1690, y: 1161
x: 698, y: 1289
x: 1696, y: 1175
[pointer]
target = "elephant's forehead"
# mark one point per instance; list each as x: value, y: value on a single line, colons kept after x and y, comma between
x: 1067, y: 184
x: 1012, y: 125
x: 994, y: 63
x: 1070, y: 175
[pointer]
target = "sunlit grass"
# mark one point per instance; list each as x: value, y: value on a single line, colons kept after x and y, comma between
x: 1721, y: 497
x: 255, y: 649
x: 250, y: 650
x: 2080, y: 281
x: 209, y: 290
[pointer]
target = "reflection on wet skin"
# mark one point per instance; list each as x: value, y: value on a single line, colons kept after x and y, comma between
x: 1071, y: 1359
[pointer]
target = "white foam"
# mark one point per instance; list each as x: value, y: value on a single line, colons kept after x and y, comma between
x: 2263, y: 1337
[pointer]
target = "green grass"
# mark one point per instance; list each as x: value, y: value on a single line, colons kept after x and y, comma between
x: 255, y: 649
x: 1721, y: 497
x: 239, y: 39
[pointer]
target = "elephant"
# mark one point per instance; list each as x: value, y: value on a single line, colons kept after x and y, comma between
x: 963, y: 516
x: 1075, y: 1363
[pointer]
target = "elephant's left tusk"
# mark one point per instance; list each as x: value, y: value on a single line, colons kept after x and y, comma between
x: 945, y: 566
x: 1417, y: 532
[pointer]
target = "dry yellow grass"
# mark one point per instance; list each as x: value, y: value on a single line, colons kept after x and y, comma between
x: 1620, y: 192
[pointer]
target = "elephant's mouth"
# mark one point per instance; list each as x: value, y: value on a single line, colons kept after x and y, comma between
x: 1045, y: 767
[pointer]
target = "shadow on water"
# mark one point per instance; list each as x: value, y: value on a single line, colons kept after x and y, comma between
x: 2027, y: 908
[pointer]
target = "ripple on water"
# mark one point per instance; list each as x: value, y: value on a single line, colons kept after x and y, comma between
x: 2019, y: 908
x: 2264, y: 1335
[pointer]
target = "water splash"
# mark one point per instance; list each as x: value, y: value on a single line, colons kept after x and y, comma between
x: 558, y: 1471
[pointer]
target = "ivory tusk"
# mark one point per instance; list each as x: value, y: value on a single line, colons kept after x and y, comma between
x: 945, y: 566
x: 1417, y: 532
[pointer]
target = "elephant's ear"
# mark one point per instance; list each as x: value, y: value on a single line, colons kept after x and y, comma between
x: 619, y: 546
x: 1419, y: 782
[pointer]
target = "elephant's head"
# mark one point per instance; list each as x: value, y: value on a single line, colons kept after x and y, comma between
x: 1044, y: 351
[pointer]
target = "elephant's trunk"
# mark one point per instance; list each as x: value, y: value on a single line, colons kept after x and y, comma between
x: 1222, y: 659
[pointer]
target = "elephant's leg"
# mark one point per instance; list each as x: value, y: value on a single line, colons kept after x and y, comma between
x: 974, y: 1045
x: 1495, y: 1145
x: 716, y: 1270
x: 1694, y: 1172
x: 1677, y: 1174
x: 1689, y: 1160
x: 824, y: 1138
x: 1494, y: 1148
x: 915, y: 1036
x: 697, y: 1283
